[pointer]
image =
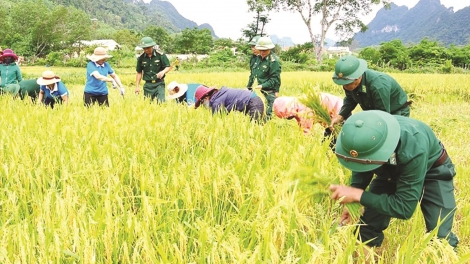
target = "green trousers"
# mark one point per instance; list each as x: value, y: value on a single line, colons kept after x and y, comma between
x: 437, y: 205
x: 155, y: 91
x: 270, y: 96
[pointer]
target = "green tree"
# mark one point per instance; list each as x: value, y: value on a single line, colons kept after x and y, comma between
x: 395, y: 54
x: 194, y: 40
x: 371, y: 55
x: 160, y: 36
x: 342, y: 14
x: 428, y: 52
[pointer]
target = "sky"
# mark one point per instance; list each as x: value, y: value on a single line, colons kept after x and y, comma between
x: 229, y: 17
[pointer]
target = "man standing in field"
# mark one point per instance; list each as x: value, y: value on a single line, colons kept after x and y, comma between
x: 370, y: 89
x: 152, y: 65
x: 411, y: 166
x: 267, y: 72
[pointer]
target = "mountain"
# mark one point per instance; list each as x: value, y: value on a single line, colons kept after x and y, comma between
x: 427, y: 19
x: 283, y: 42
x: 135, y: 14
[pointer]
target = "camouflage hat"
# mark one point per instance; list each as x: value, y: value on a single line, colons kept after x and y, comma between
x: 367, y: 140
x: 253, y: 41
x: 348, y: 68
x: 146, y: 42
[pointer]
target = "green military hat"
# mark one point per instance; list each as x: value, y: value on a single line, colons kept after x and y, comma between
x: 146, y: 42
x: 367, y: 140
x: 348, y: 68
x: 253, y: 41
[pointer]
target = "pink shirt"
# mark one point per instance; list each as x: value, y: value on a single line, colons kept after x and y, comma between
x: 290, y: 107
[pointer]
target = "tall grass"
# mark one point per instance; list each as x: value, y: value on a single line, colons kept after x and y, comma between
x: 144, y: 183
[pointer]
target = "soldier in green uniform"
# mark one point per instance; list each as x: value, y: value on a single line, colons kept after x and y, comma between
x: 29, y: 88
x: 152, y: 66
x: 267, y: 72
x: 370, y: 89
x: 411, y: 166
x: 255, y: 52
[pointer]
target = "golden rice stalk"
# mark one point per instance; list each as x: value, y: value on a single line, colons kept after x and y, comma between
x: 320, y: 114
x: 315, y: 186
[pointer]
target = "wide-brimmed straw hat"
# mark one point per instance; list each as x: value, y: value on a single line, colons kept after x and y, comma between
x: 201, y: 92
x: 48, y: 77
x: 98, y: 54
x: 8, y: 53
x: 176, y: 90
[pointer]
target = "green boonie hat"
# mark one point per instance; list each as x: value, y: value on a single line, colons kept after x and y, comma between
x: 348, y: 68
x: 253, y: 41
x: 146, y: 42
x: 367, y: 140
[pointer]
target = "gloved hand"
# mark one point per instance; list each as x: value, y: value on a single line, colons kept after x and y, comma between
x: 122, y: 91
x: 114, y: 84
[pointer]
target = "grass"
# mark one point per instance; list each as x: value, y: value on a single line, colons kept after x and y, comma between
x: 144, y: 183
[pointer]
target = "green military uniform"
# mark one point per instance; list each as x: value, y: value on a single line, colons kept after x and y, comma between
x: 29, y: 88
x: 418, y: 171
x: 150, y: 66
x: 377, y: 91
x: 267, y: 72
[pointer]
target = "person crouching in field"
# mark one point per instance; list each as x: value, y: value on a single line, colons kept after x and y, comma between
x: 411, y: 168
x: 29, y: 88
x: 183, y: 93
x: 288, y: 107
x: 229, y: 99
x: 10, y: 73
x: 97, y: 71
x: 52, y: 89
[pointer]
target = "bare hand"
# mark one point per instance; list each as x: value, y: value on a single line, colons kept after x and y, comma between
x: 346, y: 194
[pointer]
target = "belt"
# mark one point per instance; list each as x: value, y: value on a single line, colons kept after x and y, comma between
x: 405, y: 105
x: 442, y: 158
x: 151, y: 81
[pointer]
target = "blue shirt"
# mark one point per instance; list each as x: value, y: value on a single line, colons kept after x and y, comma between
x: 191, y: 93
x: 93, y: 85
x: 59, y: 91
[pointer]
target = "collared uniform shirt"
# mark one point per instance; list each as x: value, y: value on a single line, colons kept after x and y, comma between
x: 151, y: 66
x: 417, y: 150
x: 377, y: 91
x: 267, y: 72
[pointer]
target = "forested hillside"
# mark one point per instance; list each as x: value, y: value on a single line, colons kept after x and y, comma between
x: 428, y: 19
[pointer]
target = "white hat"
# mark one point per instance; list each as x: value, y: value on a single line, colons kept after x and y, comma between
x: 48, y: 77
x: 264, y: 43
x: 98, y: 54
x: 182, y: 88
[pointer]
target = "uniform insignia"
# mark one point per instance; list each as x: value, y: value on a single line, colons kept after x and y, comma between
x: 353, y: 153
x: 340, y: 75
x: 265, y: 66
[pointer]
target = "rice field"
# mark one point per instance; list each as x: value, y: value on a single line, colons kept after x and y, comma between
x: 140, y: 182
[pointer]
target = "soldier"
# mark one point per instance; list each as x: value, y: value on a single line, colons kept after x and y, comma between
x: 152, y: 66
x: 370, y: 89
x: 267, y: 72
x: 411, y: 167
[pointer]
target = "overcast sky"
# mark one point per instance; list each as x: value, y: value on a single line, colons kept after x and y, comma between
x: 229, y: 17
